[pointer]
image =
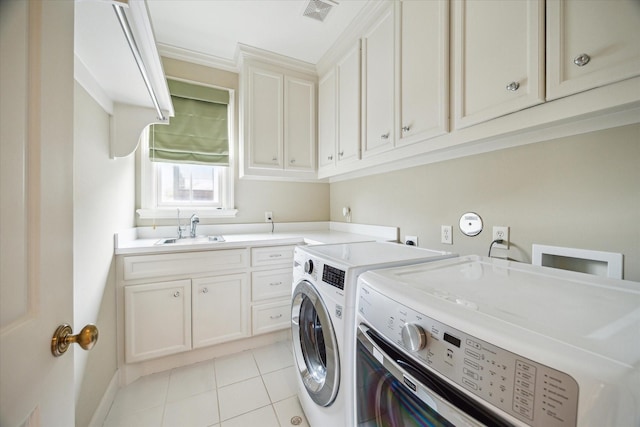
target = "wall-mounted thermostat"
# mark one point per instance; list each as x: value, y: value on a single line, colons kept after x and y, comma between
x: 470, y: 224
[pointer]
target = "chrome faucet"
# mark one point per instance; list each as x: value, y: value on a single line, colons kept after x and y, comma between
x: 180, y: 227
x: 195, y: 220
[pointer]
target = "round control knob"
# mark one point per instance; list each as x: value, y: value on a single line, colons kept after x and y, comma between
x: 308, y: 266
x: 413, y: 337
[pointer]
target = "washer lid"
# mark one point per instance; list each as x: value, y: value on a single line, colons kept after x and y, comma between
x: 364, y: 254
x: 589, y: 312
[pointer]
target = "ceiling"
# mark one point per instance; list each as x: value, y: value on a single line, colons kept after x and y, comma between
x: 214, y: 27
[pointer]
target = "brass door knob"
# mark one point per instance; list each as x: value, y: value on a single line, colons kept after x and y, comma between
x: 62, y: 337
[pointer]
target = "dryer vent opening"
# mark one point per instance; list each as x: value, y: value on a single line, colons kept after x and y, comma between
x: 318, y: 9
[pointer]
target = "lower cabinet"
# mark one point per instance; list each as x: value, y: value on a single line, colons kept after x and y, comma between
x: 167, y: 317
x: 220, y: 308
x: 157, y: 319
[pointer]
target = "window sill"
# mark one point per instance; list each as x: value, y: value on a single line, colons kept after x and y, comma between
x: 172, y: 213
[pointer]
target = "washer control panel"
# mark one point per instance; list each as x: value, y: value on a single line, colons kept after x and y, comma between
x: 529, y: 391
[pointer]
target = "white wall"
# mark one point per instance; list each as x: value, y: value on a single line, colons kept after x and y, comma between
x: 103, y: 198
x: 581, y: 191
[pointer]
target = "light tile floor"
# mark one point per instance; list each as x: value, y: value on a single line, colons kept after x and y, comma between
x: 252, y: 388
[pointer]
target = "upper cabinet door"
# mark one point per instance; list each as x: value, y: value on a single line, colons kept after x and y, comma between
x: 498, y: 56
x: 265, y: 122
x: 327, y: 120
x: 591, y: 44
x: 348, y: 70
x: 300, y: 124
x: 378, y: 86
x: 424, y: 70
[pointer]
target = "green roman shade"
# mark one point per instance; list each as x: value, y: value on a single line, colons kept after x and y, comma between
x: 198, y: 132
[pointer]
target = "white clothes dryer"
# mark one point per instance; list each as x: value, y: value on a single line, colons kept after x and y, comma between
x: 323, y: 320
x: 476, y: 341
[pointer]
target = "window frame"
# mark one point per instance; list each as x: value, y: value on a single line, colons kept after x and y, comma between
x: 148, y: 177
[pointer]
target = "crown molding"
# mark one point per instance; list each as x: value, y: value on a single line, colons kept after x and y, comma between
x: 199, y: 58
x: 245, y: 52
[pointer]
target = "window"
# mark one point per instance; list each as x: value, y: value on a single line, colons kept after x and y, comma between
x: 189, y: 163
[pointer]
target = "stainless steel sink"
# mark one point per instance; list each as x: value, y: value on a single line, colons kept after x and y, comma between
x: 190, y: 240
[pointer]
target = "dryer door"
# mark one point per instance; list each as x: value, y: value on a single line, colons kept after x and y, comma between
x: 314, y: 344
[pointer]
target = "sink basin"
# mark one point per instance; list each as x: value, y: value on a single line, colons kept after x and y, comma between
x: 190, y: 240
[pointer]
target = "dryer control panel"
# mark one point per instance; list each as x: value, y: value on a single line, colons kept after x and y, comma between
x: 529, y: 391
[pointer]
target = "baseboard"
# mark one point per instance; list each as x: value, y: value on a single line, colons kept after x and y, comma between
x: 100, y: 415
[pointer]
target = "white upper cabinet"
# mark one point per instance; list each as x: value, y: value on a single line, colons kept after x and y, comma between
x: 265, y: 119
x: 327, y: 119
x: 591, y: 44
x: 348, y: 103
x: 278, y: 118
x: 378, y: 82
x: 498, y: 58
x: 300, y: 124
x: 424, y: 70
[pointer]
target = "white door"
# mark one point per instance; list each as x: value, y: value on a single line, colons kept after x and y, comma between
x: 36, y: 270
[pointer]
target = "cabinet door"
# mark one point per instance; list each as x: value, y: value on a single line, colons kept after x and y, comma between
x: 220, y: 309
x: 265, y: 123
x: 348, y: 70
x: 157, y: 319
x: 378, y: 86
x: 498, y: 58
x: 591, y: 44
x: 299, y: 124
x: 327, y: 120
x: 424, y: 70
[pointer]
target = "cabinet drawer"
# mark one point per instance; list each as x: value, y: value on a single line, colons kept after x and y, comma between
x: 272, y: 255
x: 271, y: 317
x: 271, y: 284
x: 145, y: 266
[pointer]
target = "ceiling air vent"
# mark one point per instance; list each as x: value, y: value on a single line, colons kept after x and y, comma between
x: 319, y: 9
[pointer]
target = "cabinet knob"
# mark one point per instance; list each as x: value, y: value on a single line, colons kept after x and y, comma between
x: 341, y: 153
x: 385, y: 136
x: 513, y: 86
x: 275, y: 283
x: 329, y: 157
x: 205, y: 290
x: 406, y: 128
x: 292, y: 161
x: 176, y: 294
x: 581, y: 60
x: 275, y: 317
x: 275, y: 158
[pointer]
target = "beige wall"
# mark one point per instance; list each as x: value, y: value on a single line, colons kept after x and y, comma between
x: 289, y: 201
x: 103, y: 203
x: 581, y: 191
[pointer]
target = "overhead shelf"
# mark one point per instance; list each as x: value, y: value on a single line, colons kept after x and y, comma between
x: 111, y: 68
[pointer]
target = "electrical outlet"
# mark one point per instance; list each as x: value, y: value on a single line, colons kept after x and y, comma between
x: 446, y: 235
x: 268, y: 216
x: 411, y: 240
x: 501, y: 233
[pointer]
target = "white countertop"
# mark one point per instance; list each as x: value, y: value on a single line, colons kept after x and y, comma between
x: 144, y: 240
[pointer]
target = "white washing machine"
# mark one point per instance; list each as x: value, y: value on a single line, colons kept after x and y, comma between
x: 323, y: 316
x: 475, y: 341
